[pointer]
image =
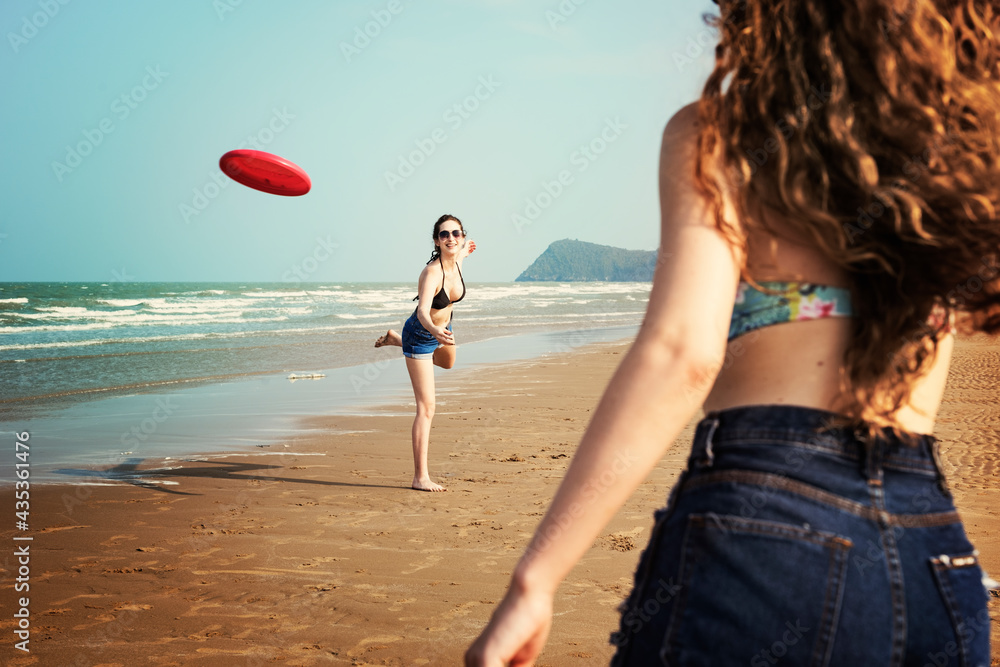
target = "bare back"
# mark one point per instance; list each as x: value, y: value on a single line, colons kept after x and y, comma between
x: 799, y: 362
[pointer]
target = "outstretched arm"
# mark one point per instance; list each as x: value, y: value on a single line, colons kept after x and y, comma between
x: 468, y: 247
x: 660, y: 385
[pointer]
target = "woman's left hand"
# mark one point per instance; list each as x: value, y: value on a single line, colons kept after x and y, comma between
x: 516, y: 633
x: 444, y: 336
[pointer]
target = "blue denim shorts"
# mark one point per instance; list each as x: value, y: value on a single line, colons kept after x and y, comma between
x: 418, y: 342
x: 785, y: 542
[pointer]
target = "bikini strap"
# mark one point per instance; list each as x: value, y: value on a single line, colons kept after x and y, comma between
x: 462, y: 278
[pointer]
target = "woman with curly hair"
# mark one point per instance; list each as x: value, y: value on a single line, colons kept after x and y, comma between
x: 830, y: 208
x: 427, y: 339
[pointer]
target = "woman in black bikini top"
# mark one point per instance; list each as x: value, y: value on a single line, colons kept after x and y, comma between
x: 441, y: 299
x: 427, y: 340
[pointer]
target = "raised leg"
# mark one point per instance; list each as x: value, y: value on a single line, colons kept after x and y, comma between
x: 390, y: 338
x: 444, y: 356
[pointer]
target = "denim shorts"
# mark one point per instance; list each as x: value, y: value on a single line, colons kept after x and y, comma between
x: 785, y: 542
x: 418, y: 342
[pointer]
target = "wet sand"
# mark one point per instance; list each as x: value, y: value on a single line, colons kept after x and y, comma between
x: 315, y: 551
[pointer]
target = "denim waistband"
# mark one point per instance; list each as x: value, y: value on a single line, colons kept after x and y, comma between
x: 812, y: 429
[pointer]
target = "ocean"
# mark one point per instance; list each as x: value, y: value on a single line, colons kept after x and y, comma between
x: 81, y: 363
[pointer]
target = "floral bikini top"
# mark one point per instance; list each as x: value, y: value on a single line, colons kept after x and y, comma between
x: 789, y: 302
x: 794, y: 301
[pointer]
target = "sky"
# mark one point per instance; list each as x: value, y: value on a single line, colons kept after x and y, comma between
x: 530, y: 120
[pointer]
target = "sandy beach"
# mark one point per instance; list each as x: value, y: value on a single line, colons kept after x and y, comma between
x: 315, y: 551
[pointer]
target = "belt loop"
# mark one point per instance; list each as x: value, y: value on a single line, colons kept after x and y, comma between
x: 871, y: 458
x: 932, y: 443
x: 709, y: 459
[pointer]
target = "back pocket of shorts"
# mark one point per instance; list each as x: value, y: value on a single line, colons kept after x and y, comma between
x: 756, y: 592
x: 960, y: 581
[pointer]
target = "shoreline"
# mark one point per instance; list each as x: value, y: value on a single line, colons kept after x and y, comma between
x: 106, y: 438
x: 321, y: 554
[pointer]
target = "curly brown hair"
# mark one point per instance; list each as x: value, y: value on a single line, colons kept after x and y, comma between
x: 874, y: 125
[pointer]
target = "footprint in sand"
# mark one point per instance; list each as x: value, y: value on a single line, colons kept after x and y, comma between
x: 463, y: 609
x: 399, y: 604
x: 622, y: 540
x: 322, y: 588
x: 327, y: 559
x: 207, y: 633
x: 430, y: 561
x: 369, y: 644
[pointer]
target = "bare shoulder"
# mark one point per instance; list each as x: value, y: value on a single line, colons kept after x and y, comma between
x: 697, y: 269
x: 679, y: 148
x: 679, y: 156
x: 431, y: 272
x: 683, y: 125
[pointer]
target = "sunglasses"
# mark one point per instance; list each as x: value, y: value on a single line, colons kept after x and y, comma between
x: 457, y: 233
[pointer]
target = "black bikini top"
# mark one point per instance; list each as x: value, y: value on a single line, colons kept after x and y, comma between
x: 441, y: 299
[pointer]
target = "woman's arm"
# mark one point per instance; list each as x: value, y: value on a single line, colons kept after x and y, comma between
x: 468, y: 247
x: 428, y: 285
x: 660, y: 385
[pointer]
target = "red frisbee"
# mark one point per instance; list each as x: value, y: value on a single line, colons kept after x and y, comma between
x: 265, y: 172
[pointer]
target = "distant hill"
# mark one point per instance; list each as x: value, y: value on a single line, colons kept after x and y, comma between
x: 571, y: 261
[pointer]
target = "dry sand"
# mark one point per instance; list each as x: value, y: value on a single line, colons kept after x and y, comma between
x: 315, y: 551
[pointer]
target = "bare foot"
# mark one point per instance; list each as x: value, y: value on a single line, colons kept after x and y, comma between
x: 426, y: 485
x: 390, y: 338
